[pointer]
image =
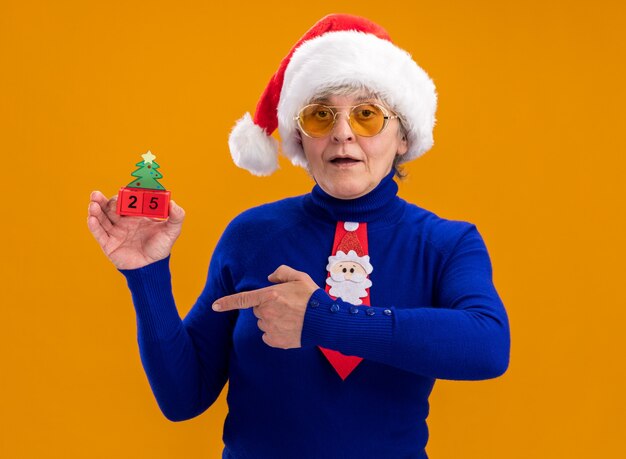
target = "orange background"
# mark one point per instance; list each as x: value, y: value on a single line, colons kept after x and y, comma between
x: 529, y: 146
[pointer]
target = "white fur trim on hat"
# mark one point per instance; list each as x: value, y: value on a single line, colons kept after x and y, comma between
x: 351, y: 57
x: 251, y: 147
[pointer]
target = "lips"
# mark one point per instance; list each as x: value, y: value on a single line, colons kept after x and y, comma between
x: 340, y: 160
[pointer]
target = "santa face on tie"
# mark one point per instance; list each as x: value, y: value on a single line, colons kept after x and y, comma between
x: 348, y: 276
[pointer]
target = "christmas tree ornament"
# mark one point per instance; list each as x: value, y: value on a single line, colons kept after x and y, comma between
x: 144, y: 196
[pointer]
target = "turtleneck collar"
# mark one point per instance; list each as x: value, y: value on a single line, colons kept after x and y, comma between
x: 380, y: 204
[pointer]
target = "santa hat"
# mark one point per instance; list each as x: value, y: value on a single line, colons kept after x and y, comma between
x: 339, y: 50
x: 350, y: 249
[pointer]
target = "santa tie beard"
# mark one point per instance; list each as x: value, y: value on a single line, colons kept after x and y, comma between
x: 349, y: 290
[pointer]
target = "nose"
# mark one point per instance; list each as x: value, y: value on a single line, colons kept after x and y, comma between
x: 342, y: 132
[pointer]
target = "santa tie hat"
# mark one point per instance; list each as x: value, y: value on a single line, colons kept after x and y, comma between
x: 338, y: 50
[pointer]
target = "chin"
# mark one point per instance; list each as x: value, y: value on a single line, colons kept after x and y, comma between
x: 348, y: 192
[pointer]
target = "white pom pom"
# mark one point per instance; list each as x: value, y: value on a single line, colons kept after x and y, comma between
x: 252, y: 149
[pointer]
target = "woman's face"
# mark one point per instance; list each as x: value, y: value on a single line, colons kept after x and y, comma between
x: 345, y: 165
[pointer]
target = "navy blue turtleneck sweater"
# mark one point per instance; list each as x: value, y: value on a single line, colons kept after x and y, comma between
x: 436, y: 315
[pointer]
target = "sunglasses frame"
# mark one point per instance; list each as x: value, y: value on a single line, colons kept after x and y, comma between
x: 386, y: 118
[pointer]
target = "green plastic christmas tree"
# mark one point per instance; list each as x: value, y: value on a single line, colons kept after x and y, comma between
x: 147, y: 174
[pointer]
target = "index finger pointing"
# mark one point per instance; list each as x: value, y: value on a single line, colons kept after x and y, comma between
x: 243, y: 300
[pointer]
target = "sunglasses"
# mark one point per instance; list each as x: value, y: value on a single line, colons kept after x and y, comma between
x: 366, y: 120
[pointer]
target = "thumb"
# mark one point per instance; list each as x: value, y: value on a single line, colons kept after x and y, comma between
x: 285, y: 273
x: 177, y: 214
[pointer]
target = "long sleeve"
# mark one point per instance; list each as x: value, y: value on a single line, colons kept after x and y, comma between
x: 186, y: 368
x: 465, y: 335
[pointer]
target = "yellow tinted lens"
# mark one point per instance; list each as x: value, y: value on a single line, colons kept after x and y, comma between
x: 367, y: 120
x: 316, y: 120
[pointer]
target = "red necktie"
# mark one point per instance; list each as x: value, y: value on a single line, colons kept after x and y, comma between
x: 349, y: 261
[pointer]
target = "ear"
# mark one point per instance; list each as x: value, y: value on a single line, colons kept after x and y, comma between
x: 403, y: 146
x: 298, y: 136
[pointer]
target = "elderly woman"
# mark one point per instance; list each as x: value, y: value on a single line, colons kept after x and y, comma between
x: 329, y: 314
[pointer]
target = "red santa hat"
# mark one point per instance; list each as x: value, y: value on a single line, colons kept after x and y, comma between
x: 338, y: 50
x: 350, y: 242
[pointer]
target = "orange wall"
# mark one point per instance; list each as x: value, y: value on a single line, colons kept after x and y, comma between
x: 529, y: 146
